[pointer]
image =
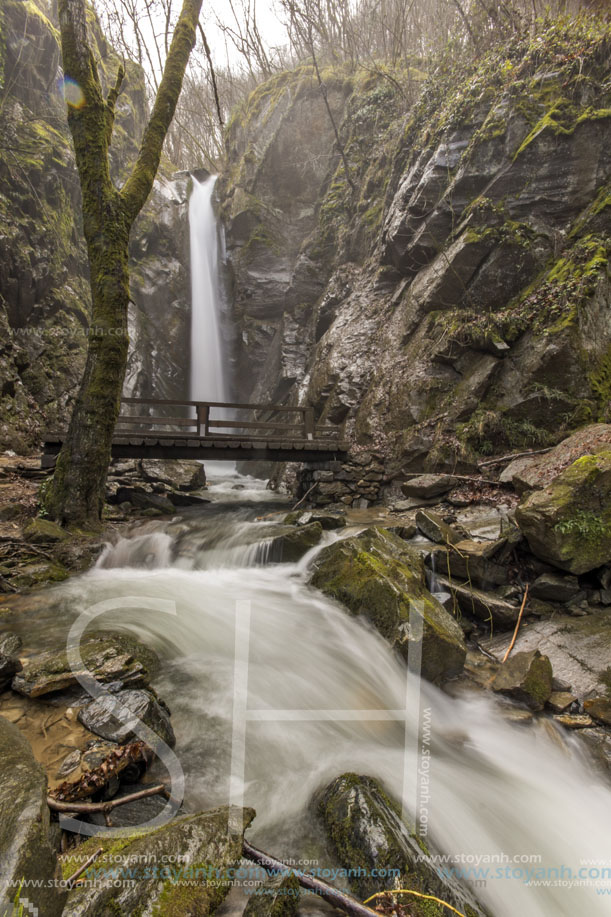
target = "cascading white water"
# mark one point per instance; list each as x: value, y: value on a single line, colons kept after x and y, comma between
x: 209, y: 375
x: 495, y: 788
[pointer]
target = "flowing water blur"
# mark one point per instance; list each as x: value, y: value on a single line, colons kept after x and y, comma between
x: 209, y: 378
x: 495, y: 788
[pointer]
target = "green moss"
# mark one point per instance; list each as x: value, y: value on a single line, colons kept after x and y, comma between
x: 600, y: 381
x: 538, y: 682
x: 375, y: 575
x: 564, y: 117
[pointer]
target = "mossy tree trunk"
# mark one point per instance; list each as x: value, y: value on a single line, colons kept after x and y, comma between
x: 75, y: 495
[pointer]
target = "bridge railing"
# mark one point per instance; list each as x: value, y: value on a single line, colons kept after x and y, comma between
x: 221, y: 420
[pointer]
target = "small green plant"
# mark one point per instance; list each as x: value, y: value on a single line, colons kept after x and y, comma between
x: 17, y: 909
x: 586, y: 524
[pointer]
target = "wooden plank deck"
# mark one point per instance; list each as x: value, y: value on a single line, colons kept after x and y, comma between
x: 220, y: 439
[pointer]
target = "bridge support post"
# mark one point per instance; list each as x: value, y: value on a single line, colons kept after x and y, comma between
x: 203, y: 417
x: 308, y: 423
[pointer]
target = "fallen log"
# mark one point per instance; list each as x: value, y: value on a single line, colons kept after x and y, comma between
x: 332, y: 895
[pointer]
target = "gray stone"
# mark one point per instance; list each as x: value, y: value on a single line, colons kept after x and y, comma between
x: 599, y: 708
x: 574, y: 720
x: 433, y: 527
x: 328, y: 520
x: 143, y: 500
x: 559, y: 701
x: 428, y: 485
x: 27, y: 854
x: 104, y: 717
x: 526, y: 678
x: 469, y: 560
x: 487, y: 607
x: 291, y: 546
x: 552, y: 587
x: 9, y: 666
x: 108, y: 656
x: 179, y: 475
x: 10, y: 643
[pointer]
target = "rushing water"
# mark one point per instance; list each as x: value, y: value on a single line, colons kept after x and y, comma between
x: 495, y: 788
x: 208, y: 364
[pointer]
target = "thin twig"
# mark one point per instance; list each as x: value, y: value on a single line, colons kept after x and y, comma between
x: 515, y: 455
x: 332, y: 895
x: 79, y: 872
x: 515, y: 633
x: 105, y: 807
x: 305, y: 496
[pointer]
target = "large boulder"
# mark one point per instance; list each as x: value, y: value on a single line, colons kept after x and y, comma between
x: 376, y: 575
x: 568, y: 523
x: 27, y: 854
x: 109, y: 656
x: 368, y: 836
x: 183, y: 868
x: 535, y: 473
x: 180, y: 475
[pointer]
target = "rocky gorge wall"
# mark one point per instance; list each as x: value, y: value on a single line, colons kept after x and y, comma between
x: 456, y: 303
x: 44, y: 292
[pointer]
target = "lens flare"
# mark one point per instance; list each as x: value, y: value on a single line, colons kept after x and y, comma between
x: 72, y: 92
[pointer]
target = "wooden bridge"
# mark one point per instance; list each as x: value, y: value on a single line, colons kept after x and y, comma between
x: 161, y: 429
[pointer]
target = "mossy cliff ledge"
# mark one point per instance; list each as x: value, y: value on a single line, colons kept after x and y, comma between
x: 457, y: 304
x: 44, y: 288
x: 377, y: 576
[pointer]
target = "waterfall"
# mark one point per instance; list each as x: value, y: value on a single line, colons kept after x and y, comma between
x: 209, y: 377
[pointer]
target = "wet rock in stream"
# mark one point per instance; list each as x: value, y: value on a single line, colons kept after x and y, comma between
x: 366, y: 833
x: 377, y: 575
x: 180, y: 869
x: 115, y: 717
x: 108, y: 656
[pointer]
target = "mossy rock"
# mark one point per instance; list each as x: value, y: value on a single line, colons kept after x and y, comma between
x: 277, y: 897
x: 568, y: 524
x: 108, y: 656
x: 183, y: 868
x: 527, y: 678
x: 43, y: 531
x: 366, y: 832
x: 376, y: 575
x: 291, y: 546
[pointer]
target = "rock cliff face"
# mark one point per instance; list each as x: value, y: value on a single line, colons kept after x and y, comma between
x: 457, y: 302
x: 44, y: 293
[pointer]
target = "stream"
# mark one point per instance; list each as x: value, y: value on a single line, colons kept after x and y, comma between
x: 495, y: 788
